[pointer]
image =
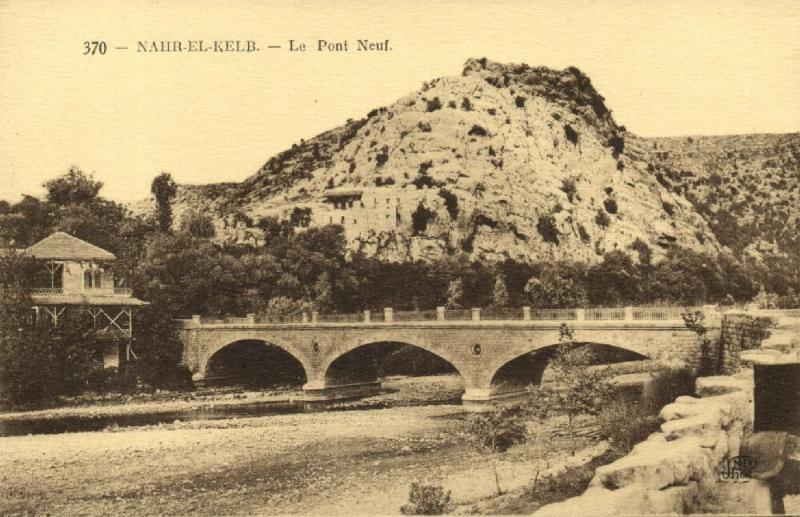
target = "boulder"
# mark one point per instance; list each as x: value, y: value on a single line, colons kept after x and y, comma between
x: 720, y: 384
x: 656, y: 464
x: 633, y: 500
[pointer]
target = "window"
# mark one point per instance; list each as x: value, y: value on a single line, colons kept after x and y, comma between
x: 98, y: 279
x: 87, y: 279
x: 342, y: 219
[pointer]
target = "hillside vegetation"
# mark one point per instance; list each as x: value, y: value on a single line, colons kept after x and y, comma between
x: 746, y: 186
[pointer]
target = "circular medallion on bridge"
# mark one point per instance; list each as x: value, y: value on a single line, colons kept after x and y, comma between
x: 476, y: 349
x: 314, y: 345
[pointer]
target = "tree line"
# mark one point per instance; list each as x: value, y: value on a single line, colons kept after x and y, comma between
x: 181, y: 271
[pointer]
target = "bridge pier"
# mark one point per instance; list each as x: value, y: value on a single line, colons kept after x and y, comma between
x: 320, y: 392
x: 484, y: 399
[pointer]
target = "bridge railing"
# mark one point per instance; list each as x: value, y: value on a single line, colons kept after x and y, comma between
x: 658, y: 313
x: 441, y: 314
x: 415, y: 316
x: 357, y: 317
x: 554, y: 314
x: 457, y: 314
x: 502, y: 314
x: 604, y: 314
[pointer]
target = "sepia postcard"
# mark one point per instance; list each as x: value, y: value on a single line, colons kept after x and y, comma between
x: 399, y: 258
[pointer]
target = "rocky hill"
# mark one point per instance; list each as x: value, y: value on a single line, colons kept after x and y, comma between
x: 501, y: 161
x: 746, y: 186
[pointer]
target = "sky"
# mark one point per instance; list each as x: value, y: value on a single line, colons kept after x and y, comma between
x: 665, y: 69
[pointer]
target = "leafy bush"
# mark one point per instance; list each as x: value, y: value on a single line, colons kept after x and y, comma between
x: 420, y: 218
x: 451, y: 104
x: 572, y: 481
x: 477, y: 130
x: 450, y: 202
x: 617, y: 144
x: 667, y: 385
x: 198, y: 225
x: 584, y: 235
x: 624, y: 423
x: 610, y: 205
x: 497, y: 430
x: 424, y: 127
x: 426, y: 500
x: 602, y: 218
x: 159, y: 350
x: 547, y: 228
x: 466, y: 105
x: 433, y: 104
x: 520, y: 101
x: 569, y: 187
x: 571, y: 134
x: 382, y: 157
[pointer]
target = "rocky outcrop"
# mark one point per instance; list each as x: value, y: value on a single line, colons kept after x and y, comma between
x: 675, y: 470
x: 503, y: 161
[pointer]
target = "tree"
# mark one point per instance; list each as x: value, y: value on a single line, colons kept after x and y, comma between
x: 74, y: 187
x: 38, y: 361
x: 164, y: 190
x: 198, y: 225
x: 159, y: 350
x: 554, y: 289
x: 455, y: 293
x: 580, y: 390
x: 323, y: 293
x: 500, y: 293
x: 496, y: 431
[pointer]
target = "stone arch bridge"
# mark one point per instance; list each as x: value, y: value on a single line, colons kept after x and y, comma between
x: 497, y: 355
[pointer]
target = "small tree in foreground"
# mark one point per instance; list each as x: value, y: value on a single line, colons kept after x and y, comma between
x: 580, y: 390
x: 426, y: 500
x: 495, y: 432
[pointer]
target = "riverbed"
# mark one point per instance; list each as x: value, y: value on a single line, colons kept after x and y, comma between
x: 358, y: 461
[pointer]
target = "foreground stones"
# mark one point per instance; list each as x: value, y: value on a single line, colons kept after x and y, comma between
x: 676, y: 469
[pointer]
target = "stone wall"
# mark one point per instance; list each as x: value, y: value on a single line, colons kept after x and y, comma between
x: 739, y: 332
x: 675, y: 470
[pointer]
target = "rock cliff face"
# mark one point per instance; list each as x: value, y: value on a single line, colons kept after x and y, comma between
x: 501, y: 161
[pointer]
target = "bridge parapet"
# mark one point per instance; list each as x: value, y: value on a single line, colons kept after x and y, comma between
x: 442, y: 316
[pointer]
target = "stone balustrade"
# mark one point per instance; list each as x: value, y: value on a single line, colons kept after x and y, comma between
x: 443, y: 315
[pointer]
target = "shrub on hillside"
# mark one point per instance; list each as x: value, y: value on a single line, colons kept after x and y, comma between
x: 571, y: 134
x: 547, y: 228
x: 420, y: 218
x: 610, y: 205
x: 426, y: 500
x: 477, y: 130
x: 450, y: 202
x: 433, y: 104
x: 569, y: 187
x: 601, y: 219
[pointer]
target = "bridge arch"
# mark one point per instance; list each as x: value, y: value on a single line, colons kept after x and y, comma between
x: 367, y: 361
x: 239, y: 349
x: 528, y: 368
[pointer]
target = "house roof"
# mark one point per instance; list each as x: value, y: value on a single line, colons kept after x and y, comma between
x: 61, y: 245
